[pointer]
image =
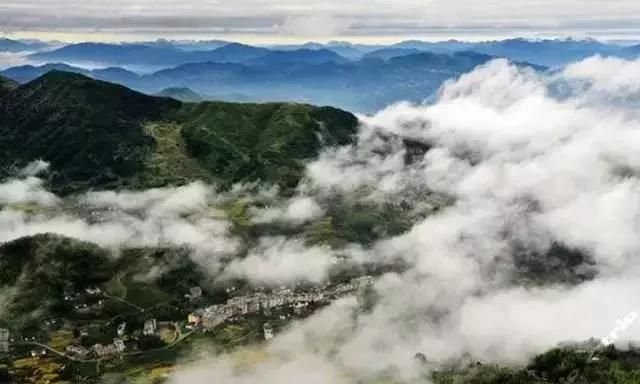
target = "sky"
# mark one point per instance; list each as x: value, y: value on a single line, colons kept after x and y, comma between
x: 295, y: 20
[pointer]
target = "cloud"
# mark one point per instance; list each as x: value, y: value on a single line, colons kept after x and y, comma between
x: 167, y: 217
x: 313, y: 26
x: 155, y: 202
x: 278, y: 260
x: 523, y: 167
x: 329, y: 18
x: 298, y: 210
x: 26, y: 191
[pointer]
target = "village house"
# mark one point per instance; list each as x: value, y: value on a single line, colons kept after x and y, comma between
x: 38, y: 352
x: 243, y: 305
x: 93, y: 291
x: 150, y: 327
x: 116, y: 348
x: 194, y: 319
x: 268, y: 331
x: 74, y: 350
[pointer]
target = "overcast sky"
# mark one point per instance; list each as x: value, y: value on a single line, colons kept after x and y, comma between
x: 318, y: 20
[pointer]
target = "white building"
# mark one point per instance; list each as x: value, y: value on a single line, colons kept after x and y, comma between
x: 122, y: 328
x: 77, y: 351
x: 119, y: 345
x: 150, y: 327
x: 4, y: 340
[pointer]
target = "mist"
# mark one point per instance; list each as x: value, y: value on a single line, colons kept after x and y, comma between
x: 523, y: 164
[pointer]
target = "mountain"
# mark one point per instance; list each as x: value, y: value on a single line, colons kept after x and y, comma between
x: 182, y: 94
x: 455, y: 62
x: 101, y: 135
x: 344, y: 49
x: 144, y: 55
x: 8, y: 45
x: 310, y: 76
x: 89, y: 130
x: 72, y: 266
x: 231, y: 53
x: 550, y: 52
x: 387, y: 53
x: 632, y: 51
x: 362, y: 86
x: 307, y: 76
x: 447, y: 46
x: 299, y: 56
x: 115, y: 54
x: 26, y: 73
x: 187, y: 45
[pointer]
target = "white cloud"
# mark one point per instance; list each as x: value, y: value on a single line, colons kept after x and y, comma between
x: 331, y: 17
x: 313, y: 26
x: 26, y: 191
x: 298, y: 210
x: 278, y: 260
x: 524, y: 167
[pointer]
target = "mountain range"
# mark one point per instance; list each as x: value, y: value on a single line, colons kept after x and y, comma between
x: 549, y: 52
x: 357, y: 77
x: 310, y: 76
x: 8, y: 45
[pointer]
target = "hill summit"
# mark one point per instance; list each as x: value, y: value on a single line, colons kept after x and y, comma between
x: 101, y: 135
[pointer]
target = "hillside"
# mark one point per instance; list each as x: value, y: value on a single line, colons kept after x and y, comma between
x: 6, y: 86
x: 90, y: 131
x: 241, y: 142
x: 101, y: 135
x: 73, y: 266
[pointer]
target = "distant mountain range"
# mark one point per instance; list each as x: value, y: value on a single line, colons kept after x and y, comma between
x: 361, y: 78
x: 550, y: 52
x: 8, y: 45
x: 139, y: 54
x: 317, y: 77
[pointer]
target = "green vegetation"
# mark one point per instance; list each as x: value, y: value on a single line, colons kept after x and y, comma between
x: 556, y: 366
x: 100, y: 135
x: 168, y: 163
x: 246, y: 142
x: 90, y: 131
x: 41, y: 269
x: 44, y: 269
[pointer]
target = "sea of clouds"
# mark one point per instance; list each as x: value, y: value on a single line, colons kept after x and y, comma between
x: 526, y: 157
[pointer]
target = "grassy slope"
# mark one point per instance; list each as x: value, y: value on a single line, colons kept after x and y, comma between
x: 246, y: 142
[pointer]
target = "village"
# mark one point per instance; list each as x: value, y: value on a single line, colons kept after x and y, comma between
x: 278, y: 304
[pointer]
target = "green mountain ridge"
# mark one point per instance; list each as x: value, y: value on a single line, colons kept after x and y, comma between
x: 101, y: 135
